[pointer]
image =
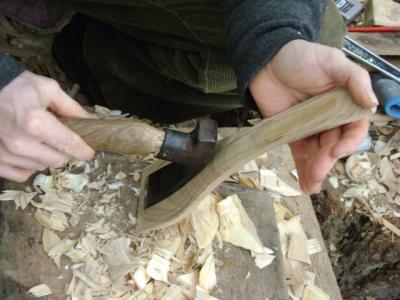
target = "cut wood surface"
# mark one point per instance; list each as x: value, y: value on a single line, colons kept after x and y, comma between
x: 381, y: 43
x: 24, y: 264
x: 122, y: 136
x: 239, y: 278
x: 280, y: 159
x: 320, y: 113
x: 383, y: 13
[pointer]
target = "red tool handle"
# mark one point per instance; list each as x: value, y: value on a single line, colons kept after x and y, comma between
x: 373, y: 29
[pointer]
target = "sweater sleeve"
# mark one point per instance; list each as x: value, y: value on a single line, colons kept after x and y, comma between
x: 9, y: 69
x: 258, y: 29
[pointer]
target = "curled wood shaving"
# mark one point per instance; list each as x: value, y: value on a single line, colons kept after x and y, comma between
x: 21, y: 198
x: 40, y: 290
x: 140, y: 277
x: 49, y: 240
x: 264, y: 259
x: 297, y: 249
x: 50, y: 220
x: 207, y: 276
x: 313, y: 246
x: 158, y: 268
x: 236, y: 227
x: 60, y: 249
x: 270, y: 181
x: 312, y: 292
x: 205, y: 221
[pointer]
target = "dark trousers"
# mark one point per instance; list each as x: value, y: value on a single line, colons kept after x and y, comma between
x: 166, y: 59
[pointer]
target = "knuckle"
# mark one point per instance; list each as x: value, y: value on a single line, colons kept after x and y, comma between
x: 32, y: 123
x: 57, y: 163
x: 22, y: 177
x: 52, y: 85
x: 337, y: 54
x: 363, y: 72
x: 71, y: 144
x: 15, y: 146
x: 3, y: 157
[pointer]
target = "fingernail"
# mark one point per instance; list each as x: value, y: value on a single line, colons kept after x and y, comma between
x: 373, y: 109
x: 373, y: 98
x: 92, y: 116
x: 343, y: 155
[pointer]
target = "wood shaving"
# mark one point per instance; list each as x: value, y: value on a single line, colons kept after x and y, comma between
x: 313, y: 246
x: 236, y: 227
x: 40, y: 290
x: 49, y: 220
x: 312, y: 292
x: 270, y: 181
x: 207, y: 276
x: 21, y: 198
x: 49, y: 240
x: 205, y: 221
x: 297, y: 249
x: 107, y: 262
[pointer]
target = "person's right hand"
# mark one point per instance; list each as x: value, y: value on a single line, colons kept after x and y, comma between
x: 31, y: 138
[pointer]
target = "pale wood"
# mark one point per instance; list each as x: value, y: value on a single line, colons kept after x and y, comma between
x: 231, y: 278
x: 281, y: 160
x: 122, y: 136
x: 24, y: 264
x: 328, y: 110
x: 383, y: 13
x: 381, y: 43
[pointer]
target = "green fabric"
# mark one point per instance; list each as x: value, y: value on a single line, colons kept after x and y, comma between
x: 172, y: 72
x: 333, y: 28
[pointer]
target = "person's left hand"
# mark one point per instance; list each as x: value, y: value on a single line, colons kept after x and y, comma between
x: 299, y: 71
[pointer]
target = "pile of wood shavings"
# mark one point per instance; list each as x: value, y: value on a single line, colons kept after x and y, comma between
x: 297, y: 248
x: 107, y: 261
x: 369, y: 182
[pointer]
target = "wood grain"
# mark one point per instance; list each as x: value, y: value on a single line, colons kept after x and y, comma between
x: 381, y: 43
x: 24, y: 264
x: 122, y: 136
x: 231, y: 278
x: 383, y: 13
x: 328, y: 110
x: 280, y: 159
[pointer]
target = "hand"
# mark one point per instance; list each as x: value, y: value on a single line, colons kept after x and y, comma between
x: 299, y: 71
x: 31, y: 138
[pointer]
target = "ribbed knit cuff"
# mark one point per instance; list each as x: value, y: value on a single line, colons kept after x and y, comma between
x: 9, y: 69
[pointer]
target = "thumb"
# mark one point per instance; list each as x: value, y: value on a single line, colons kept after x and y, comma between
x: 354, y: 78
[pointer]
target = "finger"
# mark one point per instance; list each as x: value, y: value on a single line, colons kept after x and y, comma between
x: 63, y: 105
x: 303, y: 151
x: 318, y: 169
x: 32, y: 149
x: 353, y: 134
x: 355, y: 78
x: 14, y: 173
x: 8, y: 158
x: 330, y: 137
x: 55, y: 134
x: 320, y: 161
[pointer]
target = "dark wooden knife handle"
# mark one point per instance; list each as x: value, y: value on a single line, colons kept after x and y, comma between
x: 122, y: 136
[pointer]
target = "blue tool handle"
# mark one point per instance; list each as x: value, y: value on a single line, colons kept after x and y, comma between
x: 388, y: 92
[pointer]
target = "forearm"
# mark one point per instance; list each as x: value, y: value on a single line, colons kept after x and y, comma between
x: 258, y: 29
x: 9, y: 69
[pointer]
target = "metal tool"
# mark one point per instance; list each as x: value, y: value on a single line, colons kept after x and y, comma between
x: 133, y: 137
x: 388, y: 92
x: 169, y: 195
x: 362, y: 54
x: 349, y: 9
